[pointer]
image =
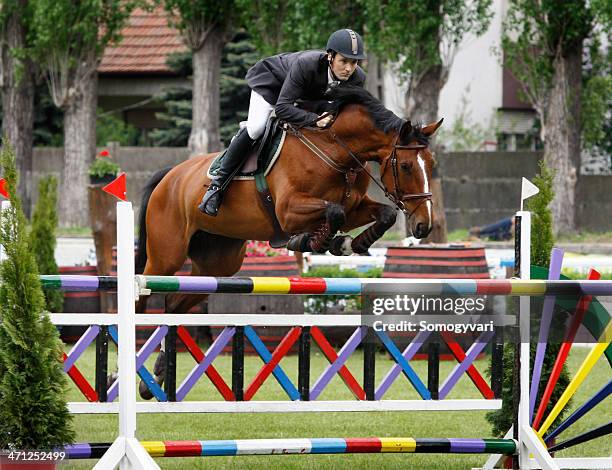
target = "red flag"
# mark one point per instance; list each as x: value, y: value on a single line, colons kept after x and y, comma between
x: 117, y: 187
x: 3, y: 189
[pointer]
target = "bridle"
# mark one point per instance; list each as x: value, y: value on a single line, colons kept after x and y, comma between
x: 397, y: 196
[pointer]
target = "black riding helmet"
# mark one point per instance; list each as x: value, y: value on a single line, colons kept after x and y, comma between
x: 348, y: 43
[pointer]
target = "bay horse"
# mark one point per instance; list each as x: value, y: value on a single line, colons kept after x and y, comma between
x: 318, y: 184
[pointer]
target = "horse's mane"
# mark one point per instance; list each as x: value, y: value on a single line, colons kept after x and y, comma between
x: 384, y: 119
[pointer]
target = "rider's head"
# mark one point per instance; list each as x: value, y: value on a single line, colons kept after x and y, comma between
x: 344, y: 50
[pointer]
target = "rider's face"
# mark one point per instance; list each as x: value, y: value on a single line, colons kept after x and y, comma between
x: 342, y: 67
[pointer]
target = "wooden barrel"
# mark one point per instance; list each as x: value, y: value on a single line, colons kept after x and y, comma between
x: 436, y: 262
x: 450, y: 261
x: 256, y: 266
x: 78, y: 302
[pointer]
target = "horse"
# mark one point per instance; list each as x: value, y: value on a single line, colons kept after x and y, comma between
x: 318, y: 185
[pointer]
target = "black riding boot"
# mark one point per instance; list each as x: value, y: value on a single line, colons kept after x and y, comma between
x: 234, y: 156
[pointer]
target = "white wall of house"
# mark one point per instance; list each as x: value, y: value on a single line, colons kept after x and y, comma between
x: 474, y: 86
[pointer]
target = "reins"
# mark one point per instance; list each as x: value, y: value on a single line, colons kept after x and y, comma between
x: 350, y: 173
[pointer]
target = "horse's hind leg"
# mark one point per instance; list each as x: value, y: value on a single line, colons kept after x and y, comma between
x: 165, y: 256
x: 211, y: 255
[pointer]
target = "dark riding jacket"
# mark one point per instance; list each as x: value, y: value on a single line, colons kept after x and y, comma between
x: 285, y: 78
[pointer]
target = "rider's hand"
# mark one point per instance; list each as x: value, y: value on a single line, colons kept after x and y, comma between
x: 324, y: 121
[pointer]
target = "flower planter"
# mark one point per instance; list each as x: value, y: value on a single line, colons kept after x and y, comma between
x: 101, y: 180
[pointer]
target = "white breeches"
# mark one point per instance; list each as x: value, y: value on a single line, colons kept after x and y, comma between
x: 259, y: 112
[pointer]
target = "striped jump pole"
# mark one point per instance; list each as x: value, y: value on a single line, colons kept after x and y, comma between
x: 370, y: 445
x: 330, y: 286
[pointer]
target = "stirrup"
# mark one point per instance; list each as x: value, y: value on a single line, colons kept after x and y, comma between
x: 211, y: 200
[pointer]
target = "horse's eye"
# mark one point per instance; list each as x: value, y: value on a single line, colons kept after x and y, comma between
x: 407, y: 167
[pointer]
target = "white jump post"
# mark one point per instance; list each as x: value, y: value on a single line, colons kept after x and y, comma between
x: 126, y: 451
x: 529, y: 444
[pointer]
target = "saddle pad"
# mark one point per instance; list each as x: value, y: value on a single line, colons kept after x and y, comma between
x: 264, y: 163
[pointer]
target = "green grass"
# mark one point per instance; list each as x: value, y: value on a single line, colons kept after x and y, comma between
x: 459, y: 235
x: 103, y: 428
x: 580, y: 275
x: 586, y: 237
x: 74, y: 232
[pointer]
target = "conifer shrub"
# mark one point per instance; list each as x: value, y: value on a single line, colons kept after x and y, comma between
x: 33, y: 386
x: 42, y: 237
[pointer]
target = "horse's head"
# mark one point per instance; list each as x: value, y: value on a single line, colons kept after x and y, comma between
x: 406, y: 174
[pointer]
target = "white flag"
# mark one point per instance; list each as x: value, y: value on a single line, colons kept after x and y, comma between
x: 528, y: 189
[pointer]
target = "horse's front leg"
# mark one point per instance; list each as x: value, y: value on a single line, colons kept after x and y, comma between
x: 319, y: 241
x: 367, y: 211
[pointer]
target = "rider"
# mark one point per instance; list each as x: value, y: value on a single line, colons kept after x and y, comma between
x: 279, y: 81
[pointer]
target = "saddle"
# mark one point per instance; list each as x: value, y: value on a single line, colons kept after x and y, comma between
x: 261, y: 160
x: 256, y: 166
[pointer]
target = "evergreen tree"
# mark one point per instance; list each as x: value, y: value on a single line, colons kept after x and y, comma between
x: 542, y: 238
x: 177, y: 118
x: 42, y: 237
x: 238, y: 56
x: 34, y: 413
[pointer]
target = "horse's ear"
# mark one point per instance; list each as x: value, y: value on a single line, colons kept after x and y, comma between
x: 405, y: 130
x: 430, y: 129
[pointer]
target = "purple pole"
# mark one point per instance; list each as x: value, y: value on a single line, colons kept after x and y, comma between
x: 554, y: 272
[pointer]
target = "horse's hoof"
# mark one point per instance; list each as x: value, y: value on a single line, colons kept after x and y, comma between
x: 110, y: 379
x: 341, y: 245
x: 143, y: 389
x: 299, y: 243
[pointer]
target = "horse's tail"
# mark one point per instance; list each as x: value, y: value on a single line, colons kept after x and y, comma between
x: 141, y: 255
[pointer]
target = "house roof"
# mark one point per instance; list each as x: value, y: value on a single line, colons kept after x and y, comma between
x: 147, y: 41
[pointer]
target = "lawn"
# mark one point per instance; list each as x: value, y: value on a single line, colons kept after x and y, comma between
x: 152, y: 427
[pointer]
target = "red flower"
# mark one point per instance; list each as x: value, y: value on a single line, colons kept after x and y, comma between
x: 104, y: 153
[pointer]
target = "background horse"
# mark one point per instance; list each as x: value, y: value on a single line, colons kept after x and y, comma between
x: 318, y: 184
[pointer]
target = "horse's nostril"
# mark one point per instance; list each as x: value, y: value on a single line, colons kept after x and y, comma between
x: 421, y: 230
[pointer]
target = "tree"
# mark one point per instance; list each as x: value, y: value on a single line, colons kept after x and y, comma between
x: 420, y: 40
x: 543, y: 45
x: 178, y: 102
x: 206, y: 26
x: 70, y: 37
x: 17, y: 72
x: 238, y: 56
x: 33, y: 385
x: 296, y: 25
x: 42, y: 237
